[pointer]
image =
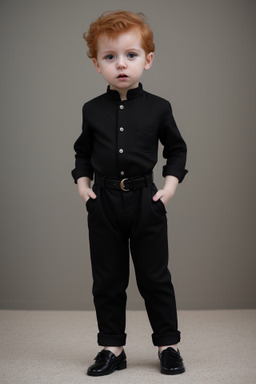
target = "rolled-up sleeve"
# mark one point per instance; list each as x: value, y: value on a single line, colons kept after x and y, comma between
x: 83, y: 151
x: 175, y: 149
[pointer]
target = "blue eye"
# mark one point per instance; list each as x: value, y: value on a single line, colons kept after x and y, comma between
x: 109, y: 57
x: 132, y: 55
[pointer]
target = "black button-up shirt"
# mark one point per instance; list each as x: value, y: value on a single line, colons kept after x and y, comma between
x: 120, y: 138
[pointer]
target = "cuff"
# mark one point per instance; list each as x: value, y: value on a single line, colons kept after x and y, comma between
x: 170, y: 339
x: 77, y: 174
x: 179, y: 173
x: 113, y: 340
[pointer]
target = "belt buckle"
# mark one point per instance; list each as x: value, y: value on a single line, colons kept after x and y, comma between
x: 122, y: 186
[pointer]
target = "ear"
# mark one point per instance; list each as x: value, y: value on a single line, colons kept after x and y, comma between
x: 95, y: 62
x: 149, y: 60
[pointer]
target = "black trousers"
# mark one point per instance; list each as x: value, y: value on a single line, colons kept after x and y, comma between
x: 121, y: 223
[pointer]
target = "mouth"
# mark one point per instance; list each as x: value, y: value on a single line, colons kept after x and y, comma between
x: 122, y: 76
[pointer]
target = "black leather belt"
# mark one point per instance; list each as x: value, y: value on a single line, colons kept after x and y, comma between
x: 126, y: 184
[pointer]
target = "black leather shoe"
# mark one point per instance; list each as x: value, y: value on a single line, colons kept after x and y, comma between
x: 171, y: 362
x: 106, y: 362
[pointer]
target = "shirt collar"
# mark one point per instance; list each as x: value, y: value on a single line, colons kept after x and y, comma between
x: 132, y: 93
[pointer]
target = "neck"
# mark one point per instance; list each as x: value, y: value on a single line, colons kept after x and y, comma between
x: 123, y: 92
x: 123, y: 96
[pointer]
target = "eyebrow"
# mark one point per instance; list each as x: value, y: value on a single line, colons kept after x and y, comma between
x: 134, y: 49
x: 127, y: 50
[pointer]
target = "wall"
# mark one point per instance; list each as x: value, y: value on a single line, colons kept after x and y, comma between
x: 205, y: 65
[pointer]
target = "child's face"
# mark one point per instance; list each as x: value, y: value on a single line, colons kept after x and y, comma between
x: 122, y: 60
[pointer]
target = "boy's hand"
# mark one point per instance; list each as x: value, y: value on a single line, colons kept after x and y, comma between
x: 84, y: 189
x: 86, y: 194
x: 168, y: 191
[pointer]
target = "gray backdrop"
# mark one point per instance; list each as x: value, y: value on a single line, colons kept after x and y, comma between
x: 205, y: 65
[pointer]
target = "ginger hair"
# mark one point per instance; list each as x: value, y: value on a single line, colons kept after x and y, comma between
x: 114, y: 23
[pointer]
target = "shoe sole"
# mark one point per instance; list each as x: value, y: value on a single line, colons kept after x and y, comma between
x: 173, y: 372
x: 119, y: 367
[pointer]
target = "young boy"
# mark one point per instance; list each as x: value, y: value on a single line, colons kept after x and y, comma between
x: 118, y: 147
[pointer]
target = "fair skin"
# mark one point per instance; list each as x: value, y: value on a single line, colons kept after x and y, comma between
x: 121, y: 62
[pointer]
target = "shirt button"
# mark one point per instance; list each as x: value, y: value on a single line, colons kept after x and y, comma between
x: 122, y: 173
x: 121, y: 129
x: 121, y: 106
x: 121, y: 150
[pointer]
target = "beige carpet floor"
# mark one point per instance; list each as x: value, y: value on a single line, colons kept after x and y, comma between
x: 56, y: 347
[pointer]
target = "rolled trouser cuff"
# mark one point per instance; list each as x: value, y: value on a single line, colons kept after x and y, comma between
x: 111, y: 340
x: 170, y: 339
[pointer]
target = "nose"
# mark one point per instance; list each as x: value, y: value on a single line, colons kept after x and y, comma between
x: 121, y: 63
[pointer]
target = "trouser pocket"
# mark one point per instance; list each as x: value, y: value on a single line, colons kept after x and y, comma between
x: 92, y: 203
x: 159, y: 203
